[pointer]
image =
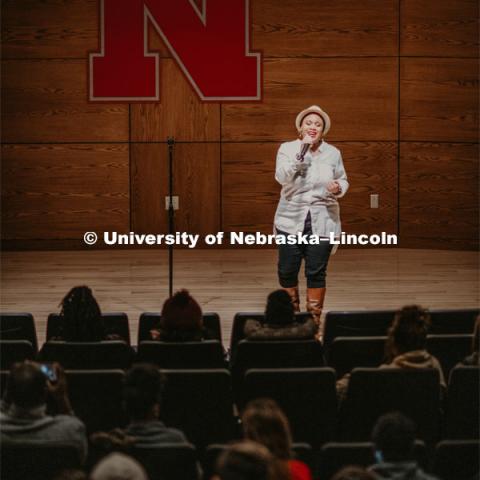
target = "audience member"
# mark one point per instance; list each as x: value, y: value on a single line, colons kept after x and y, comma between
x: 405, y: 346
x: 181, y: 320
x: 393, y: 437
x: 280, y: 322
x: 81, y: 318
x: 264, y: 422
x: 245, y: 461
x: 118, y: 466
x: 70, y: 475
x: 474, y: 358
x: 354, y: 473
x: 23, y: 416
x: 142, y: 397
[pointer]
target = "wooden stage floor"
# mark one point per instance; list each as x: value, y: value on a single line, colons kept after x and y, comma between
x: 228, y: 281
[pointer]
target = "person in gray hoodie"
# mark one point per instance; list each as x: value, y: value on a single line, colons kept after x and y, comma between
x: 405, y: 346
x: 23, y: 415
x: 393, y: 437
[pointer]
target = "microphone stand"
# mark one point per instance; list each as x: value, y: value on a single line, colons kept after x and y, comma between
x: 171, y: 213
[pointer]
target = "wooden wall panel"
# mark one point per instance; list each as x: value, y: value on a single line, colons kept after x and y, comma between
x: 359, y: 94
x: 179, y: 113
x: 439, y: 99
x: 439, y: 28
x: 372, y: 169
x: 49, y: 28
x: 291, y: 28
x: 62, y: 191
x: 439, y: 195
x: 196, y: 182
x: 250, y: 192
x: 46, y: 101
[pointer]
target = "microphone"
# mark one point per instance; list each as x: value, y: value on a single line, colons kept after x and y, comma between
x: 300, y: 156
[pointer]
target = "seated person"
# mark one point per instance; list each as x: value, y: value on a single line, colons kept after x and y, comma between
x: 405, y: 346
x: 245, y: 461
x: 354, y: 472
x: 264, y: 422
x: 280, y: 323
x: 23, y: 416
x: 81, y: 318
x: 142, y: 396
x: 118, y: 466
x: 393, y: 437
x: 181, y: 320
x: 474, y: 358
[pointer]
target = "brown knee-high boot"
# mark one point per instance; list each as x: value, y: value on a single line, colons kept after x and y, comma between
x: 293, y: 292
x: 315, y: 299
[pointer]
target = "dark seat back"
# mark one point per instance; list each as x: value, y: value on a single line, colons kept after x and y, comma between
x: 274, y: 354
x: 183, y: 355
x: 453, y: 321
x: 346, y: 353
x: 149, y: 320
x: 306, y: 395
x: 88, y: 355
x: 199, y: 403
x: 457, y: 460
x: 36, y: 461
x: 373, y: 392
x: 18, y: 326
x: 449, y: 349
x: 240, y: 319
x: 96, y: 398
x: 462, y: 417
x: 116, y: 323
x: 12, y: 351
x: 169, y: 462
x: 357, y: 323
x: 334, y: 456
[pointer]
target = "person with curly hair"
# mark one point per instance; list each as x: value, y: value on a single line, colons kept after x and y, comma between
x: 405, y: 346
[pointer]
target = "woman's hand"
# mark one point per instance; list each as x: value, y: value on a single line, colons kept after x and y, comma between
x: 333, y: 187
x: 307, y: 139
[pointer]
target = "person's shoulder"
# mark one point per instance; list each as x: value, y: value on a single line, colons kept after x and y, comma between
x: 68, y: 421
x: 294, y: 145
x: 328, y: 147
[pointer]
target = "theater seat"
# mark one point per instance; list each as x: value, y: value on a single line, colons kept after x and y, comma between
x: 306, y: 395
x: 462, y: 416
x: 12, y: 351
x: 88, y: 355
x: 36, y: 461
x: 457, y: 460
x: 373, y: 392
x: 18, y: 326
x: 170, y: 355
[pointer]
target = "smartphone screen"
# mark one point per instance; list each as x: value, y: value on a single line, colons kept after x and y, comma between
x: 49, y: 372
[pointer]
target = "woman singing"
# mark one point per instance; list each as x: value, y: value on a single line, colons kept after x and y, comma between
x: 312, y: 176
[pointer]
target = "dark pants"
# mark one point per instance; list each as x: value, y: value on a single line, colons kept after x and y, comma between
x: 316, y: 261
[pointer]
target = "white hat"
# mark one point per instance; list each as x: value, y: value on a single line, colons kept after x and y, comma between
x: 313, y: 109
x: 118, y: 466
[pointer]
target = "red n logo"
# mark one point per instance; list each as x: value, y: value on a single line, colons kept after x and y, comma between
x: 210, y: 45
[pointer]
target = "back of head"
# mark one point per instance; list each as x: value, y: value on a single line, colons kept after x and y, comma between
x: 353, y: 473
x: 245, y: 461
x: 181, y: 312
x: 264, y: 422
x: 118, y: 466
x: 82, y: 318
x: 394, y: 436
x: 279, y: 309
x: 26, y: 385
x: 408, y: 331
x: 142, y: 390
